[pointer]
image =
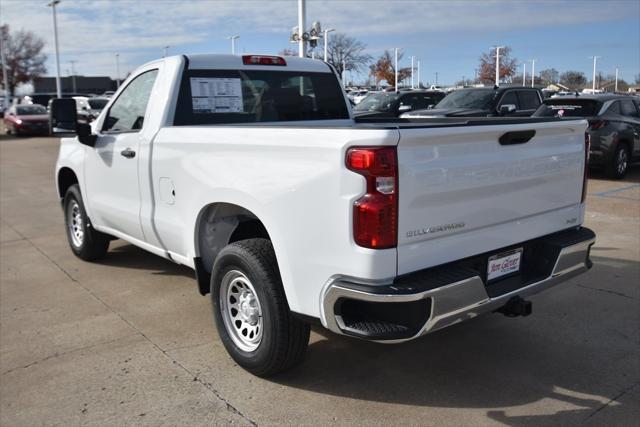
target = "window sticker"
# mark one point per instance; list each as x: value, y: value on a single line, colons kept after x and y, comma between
x: 216, y: 95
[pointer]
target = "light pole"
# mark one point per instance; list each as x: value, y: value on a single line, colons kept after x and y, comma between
x: 233, y: 43
x: 595, y: 60
x: 396, y: 69
x: 4, y: 73
x: 524, y: 74
x: 118, y: 70
x: 412, y: 81
x: 326, y: 42
x: 52, y: 5
x: 498, y: 64
x: 616, y: 87
x: 165, y: 51
x: 533, y: 71
x: 302, y: 46
x: 73, y: 74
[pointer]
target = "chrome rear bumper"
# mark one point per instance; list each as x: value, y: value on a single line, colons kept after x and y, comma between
x: 452, y: 302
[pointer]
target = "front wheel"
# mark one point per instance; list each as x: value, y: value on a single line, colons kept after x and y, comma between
x: 619, y: 162
x: 85, y: 242
x: 251, y: 311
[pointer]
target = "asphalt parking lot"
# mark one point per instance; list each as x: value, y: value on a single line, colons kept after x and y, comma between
x: 128, y: 340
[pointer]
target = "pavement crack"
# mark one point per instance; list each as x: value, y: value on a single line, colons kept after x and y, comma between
x: 64, y: 353
x: 608, y: 291
x: 614, y: 399
x: 207, y: 386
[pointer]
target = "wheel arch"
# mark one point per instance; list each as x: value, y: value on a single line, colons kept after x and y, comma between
x: 66, y: 177
x: 217, y: 225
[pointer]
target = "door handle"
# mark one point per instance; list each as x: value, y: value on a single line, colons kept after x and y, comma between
x: 128, y: 153
x: 517, y: 137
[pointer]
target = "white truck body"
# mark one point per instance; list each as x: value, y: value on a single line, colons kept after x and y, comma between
x: 460, y: 192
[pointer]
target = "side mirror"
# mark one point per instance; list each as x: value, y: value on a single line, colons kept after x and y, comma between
x: 404, y: 108
x: 63, y: 116
x: 84, y: 134
x: 507, y: 109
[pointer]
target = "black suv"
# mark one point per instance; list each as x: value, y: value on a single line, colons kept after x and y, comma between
x: 614, y: 127
x: 392, y: 104
x: 485, y: 102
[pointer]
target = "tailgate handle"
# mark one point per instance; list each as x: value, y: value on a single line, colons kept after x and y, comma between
x: 517, y: 137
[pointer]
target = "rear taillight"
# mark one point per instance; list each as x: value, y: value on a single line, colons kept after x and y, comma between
x: 597, y: 124
x: 375, y: 214
x: 585, y: 178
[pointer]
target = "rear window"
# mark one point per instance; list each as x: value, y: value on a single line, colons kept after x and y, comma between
x: 240, y: 96
x: 569, y: 108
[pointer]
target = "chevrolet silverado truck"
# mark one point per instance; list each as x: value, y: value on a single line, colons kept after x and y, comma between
x: 252, y: 171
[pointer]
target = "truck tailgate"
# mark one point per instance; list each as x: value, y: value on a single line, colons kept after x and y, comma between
x: 462, y: 192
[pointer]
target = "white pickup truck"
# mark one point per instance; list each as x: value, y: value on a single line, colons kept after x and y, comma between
x: 252, y: 171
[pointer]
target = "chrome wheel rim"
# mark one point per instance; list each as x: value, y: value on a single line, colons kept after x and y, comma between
x: 622, y: 161
x: 241, y: 310
x: 75, y: 224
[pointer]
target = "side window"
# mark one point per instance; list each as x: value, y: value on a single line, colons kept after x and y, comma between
x: 614, y: 108
x: 510, y: 98
x: 529, y: 99
x: 127, y: 112
x: 628, y: 109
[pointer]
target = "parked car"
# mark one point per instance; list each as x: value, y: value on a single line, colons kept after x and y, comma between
x: 89, y: 107
x: 614, y: 127
x: 26, y: 119
x: 251, y: 170
x: 392, y: 104
x: 484, y: 102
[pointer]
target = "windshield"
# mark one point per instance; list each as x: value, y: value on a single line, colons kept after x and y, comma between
x: 568, y: 108
x: 30, y: 110
x: 97, y: 104
x: 384, y: 101
x: 468, y: 98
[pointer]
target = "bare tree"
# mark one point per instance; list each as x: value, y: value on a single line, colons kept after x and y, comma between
x: 487, y: 69
x: 23, y: 55
x: 384, y: 69
x: 574, y: 80
x: 548, y: 76
x: 347, y: 51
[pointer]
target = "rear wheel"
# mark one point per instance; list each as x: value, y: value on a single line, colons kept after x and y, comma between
x: 251, y: 311
x: 619, y: 162
x: 85, y: 242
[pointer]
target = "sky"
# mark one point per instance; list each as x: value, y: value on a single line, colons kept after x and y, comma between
x: 446, y: 36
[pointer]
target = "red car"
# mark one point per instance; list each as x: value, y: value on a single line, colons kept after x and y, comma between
x: 26, y: 119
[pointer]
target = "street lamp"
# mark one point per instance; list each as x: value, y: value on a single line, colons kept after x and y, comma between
x: 326, y: 42
x: 73, y: 74
x: 233, y: 43
x: 118, y: 70
x: 533, y: 71
x: 4, y: 73
x: 412, y: 80
x: 498, y: 64
x: 396, y: 68
x: 595, y: 60
x: 52, y: 5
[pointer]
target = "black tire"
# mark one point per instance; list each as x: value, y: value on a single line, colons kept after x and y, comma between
x: 618, y: 164
x: 284, y: 338
x: 93, y: 244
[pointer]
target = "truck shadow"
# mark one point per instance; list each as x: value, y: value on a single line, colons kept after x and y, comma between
x: 578, y: 352
x: 633, y: 174
x: 125, y: 255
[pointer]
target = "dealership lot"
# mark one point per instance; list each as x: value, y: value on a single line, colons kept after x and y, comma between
x: 129, y: 339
